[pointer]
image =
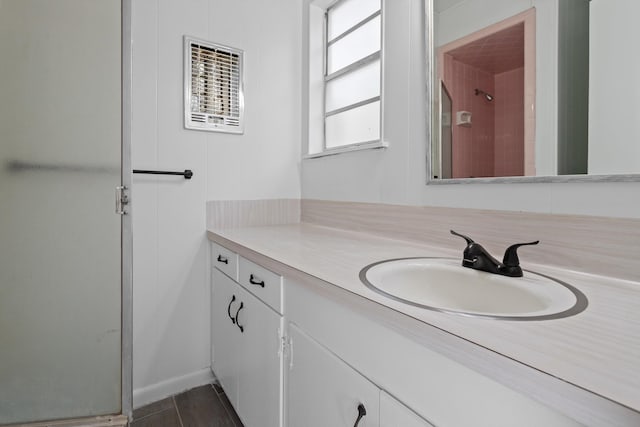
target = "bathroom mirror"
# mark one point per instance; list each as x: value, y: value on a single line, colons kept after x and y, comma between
x: 532, y: 89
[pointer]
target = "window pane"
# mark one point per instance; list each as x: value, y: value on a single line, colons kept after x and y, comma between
x: 356, y: 86
x: 361, y: 124
x: 362, y: 42
x: 348, y: 13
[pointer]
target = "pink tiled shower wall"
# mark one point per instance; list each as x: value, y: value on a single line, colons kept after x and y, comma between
x: 509, y: 123
x: 472, y: 151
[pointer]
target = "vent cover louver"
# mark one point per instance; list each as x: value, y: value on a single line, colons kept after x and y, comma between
x: 213, y: 87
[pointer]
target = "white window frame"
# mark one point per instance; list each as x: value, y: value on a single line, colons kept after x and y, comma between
x: 361, y: 145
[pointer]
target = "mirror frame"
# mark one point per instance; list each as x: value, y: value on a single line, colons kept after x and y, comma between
x: 431, y: 112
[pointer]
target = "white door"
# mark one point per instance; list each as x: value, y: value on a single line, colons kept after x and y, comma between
x: 324, y: 391
x: 395, y: 414
x: 61, y: 156
x: 260, y: 381
x: 225, y: 335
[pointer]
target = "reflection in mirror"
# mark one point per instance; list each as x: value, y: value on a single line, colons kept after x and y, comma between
x: 487, y: 74
x: 522, y: 87
x: 446, y: 133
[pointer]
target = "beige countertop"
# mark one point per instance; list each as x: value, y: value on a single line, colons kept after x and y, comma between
x: 597, y: 350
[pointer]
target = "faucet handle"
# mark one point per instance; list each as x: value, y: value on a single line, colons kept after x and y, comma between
x: 468, y: 239
x: 511, y: 254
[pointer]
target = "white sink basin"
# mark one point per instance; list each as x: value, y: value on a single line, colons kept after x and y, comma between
x: 442, y: 284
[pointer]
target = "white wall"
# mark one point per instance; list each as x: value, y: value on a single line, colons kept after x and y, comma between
x: 614, y: 89
x: 397, y: 175
x: 171, y: 277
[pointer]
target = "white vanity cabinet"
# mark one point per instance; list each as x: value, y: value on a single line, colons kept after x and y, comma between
x: 246, y: 356
x: 438, y: 389
x: 298, y: 353
x: 322, y: 390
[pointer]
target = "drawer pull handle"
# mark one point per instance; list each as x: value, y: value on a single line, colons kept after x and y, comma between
x: 223, y: 260
x: 361, y: 413
x: 236, y: 320
x: 255, y: 281
x: 229, y: 310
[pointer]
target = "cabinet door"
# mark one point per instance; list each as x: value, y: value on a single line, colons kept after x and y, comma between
x: 395, y: 414
x: 260, y: 370
x: 324, y: 391
x: 225, y: 336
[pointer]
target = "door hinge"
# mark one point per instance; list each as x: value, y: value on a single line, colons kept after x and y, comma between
x: 122, y: 199
x: 285, y: 349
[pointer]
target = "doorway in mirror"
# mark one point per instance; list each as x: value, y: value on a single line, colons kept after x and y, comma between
x: 489, y: 78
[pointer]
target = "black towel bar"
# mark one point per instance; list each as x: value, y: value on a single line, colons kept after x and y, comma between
x: 188, y: 173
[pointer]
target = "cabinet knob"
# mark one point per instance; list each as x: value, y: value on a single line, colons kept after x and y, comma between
x: 361, y: 413
x: 236, y: 320
x: 229, y: 310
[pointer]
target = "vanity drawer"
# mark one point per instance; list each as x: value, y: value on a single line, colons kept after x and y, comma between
x: 264, y: 284
x: 224, y: 260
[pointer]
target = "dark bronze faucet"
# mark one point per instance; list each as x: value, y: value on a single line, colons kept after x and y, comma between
x: 477, y: 257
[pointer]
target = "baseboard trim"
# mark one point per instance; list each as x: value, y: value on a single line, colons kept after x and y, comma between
x: 104, y: 421
x: 154, y: 392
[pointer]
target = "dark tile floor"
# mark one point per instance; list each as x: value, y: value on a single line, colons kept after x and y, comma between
x: 205, y: 406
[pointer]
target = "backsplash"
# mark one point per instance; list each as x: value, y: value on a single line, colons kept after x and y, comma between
x: 590, y: 244
x: 598, y: 245
x: 252, y: 213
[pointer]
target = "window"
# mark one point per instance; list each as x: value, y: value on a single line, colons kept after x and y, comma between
x: 213, y: 87
x: 352, y: 75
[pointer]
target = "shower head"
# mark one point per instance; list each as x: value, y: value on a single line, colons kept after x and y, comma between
x: 486, y: 95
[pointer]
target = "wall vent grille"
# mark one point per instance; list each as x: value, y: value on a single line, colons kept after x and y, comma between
x: 214, y: 98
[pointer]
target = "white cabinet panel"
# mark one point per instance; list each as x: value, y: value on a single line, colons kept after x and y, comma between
x: 395, y: 414
x: 245, y: 353
x: 324, y: 391
x: 260, y: 373
x: 225, y: 335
